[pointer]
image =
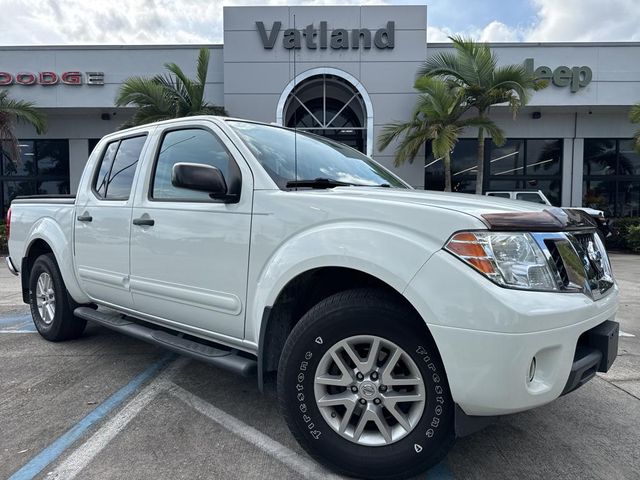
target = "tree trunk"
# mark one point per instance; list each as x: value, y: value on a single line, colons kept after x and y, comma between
x: 447, y: 172
x: 480, y: 166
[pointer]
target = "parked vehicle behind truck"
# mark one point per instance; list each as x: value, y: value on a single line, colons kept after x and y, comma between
x: 394, y: 319
x: 536, y: 196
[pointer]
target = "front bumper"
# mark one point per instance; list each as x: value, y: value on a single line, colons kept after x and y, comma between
x: 488, y: 336
x: 12, y: 268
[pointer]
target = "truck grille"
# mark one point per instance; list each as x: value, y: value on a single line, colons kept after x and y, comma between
x: 580, y: 261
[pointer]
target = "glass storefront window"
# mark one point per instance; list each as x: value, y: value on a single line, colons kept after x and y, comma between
x: 52, y: 157
x: 463, y: 168
x: 508, y: 159
x: 600, y: 157
x: 628, y: 159
x: 599, y: 194
x: 43, y: 168
x: 520, y: 164
x: 628, y: 199
x: 544, y: 157
x: 23, y: 166
x: 13, y: 189
x: 53, y: 187
x: 611, y: 180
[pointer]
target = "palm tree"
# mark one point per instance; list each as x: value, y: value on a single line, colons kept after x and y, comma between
x: 171, y: 95
x: 634, y: 116
x: 473, y: 67
x: 17, y: 110
x: 437, y: 118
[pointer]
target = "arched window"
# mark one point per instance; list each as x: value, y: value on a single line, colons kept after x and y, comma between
x: 330, y: 106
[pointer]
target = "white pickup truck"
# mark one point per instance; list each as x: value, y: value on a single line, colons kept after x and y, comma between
x: 395, y: 319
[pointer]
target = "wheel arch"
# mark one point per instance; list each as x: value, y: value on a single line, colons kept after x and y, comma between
x: 47, y: 237
x: 301, y: 293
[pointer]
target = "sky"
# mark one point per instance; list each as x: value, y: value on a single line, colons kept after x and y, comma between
x: 59, y: 22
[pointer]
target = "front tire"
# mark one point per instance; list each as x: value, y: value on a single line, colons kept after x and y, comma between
x: 50, y: 303
x: 363, y: 389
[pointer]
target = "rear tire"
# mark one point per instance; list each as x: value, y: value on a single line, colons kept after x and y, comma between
x: 391, y: 446
x: 51, y: 305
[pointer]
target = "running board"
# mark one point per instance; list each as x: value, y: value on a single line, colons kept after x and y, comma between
x: 227, y: 359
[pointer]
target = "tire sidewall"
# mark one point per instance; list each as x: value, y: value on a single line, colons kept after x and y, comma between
x: 44, y: 264
x: 296, y: 387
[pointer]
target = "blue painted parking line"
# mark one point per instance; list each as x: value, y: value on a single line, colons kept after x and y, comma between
x: 57, y: 448
x: 17, y: 324
x: 442, y: 471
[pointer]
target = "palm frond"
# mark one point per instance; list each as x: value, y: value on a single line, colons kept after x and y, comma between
x: 22, y: 110
x: 634, y: 113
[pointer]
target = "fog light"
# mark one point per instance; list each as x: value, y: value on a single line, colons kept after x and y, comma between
x: 532, y: 369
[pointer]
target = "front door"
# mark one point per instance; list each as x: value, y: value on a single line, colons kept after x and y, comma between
x: 103, y: 223
x: 189, y: 252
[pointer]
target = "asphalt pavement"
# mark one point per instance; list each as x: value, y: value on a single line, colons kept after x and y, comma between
x: 108, y: 406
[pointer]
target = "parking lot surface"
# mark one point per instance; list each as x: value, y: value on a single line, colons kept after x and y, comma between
x: 107, y: 406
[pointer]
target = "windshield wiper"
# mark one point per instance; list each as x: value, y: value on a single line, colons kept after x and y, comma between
x: 318, y: 183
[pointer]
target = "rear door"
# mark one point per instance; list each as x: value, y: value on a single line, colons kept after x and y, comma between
x: 189, y: 252
x: 103, y: 222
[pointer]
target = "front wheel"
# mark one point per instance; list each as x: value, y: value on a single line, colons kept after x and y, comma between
x: 363, y: 388
x: 51, y: 306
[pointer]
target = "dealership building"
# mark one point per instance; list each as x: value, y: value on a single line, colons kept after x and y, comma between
x: 344, y: 72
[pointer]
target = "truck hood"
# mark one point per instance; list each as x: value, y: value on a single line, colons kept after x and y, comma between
x: 475, y: 205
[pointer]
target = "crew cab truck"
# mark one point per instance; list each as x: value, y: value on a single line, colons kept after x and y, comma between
x: 395, y: 319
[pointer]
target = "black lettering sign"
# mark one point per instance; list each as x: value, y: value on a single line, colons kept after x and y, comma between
x: 338, y: 39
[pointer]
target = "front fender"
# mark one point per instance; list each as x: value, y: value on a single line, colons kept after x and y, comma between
x: 61, y: 243
x: 387, y: 252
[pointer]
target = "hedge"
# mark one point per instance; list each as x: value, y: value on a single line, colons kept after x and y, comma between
x: 625, y: 234
x: 3, y: 239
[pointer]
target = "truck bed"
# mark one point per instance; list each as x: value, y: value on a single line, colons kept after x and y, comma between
x: 61, y: 198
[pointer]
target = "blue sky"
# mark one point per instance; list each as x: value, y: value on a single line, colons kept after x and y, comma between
x: 49, y: 22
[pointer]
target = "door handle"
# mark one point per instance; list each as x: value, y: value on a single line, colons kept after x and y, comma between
x: 85, y: 218
x: 144, y: 222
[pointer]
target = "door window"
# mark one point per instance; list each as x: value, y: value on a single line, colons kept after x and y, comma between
x: 188, y: 146
x: 117, y: 168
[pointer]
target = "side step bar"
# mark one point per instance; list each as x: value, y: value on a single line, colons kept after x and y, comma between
x: 226, y: 359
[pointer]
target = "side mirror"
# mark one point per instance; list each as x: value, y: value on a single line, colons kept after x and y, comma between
x: 204, y: 178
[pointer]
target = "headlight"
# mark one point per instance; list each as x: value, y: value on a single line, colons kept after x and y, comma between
x: 508, y: 259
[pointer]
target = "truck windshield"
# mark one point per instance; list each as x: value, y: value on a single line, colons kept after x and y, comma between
x: 320, y: 162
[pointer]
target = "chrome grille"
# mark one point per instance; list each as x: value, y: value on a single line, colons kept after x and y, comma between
x: 580, y: 261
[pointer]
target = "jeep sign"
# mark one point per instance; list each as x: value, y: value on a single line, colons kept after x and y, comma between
x: 51, y: 78
x: 337, y: 39
x: 576, y: 77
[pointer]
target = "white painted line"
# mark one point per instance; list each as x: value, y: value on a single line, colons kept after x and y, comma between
x: 86, y: 452
x: 299, y: 463
x: 625, y: 334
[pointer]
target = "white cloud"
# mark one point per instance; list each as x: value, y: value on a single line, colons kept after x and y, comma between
x: 586, y: 21
x: 499, y: 32
x: 124, y: 21
x: 561, y: 21
x: 494, y: 31
x: 438, y: 34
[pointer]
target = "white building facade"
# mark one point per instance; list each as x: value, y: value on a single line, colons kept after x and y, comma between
x: 345, y: 72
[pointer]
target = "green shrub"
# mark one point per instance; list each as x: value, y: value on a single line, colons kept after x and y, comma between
x: 625, y: 234
x: 633, y: 238
x: 3, y: 239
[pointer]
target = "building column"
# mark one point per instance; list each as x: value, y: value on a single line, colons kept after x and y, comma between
x: 78, y: 155
x: 567, y: 172
x: 576, y: 178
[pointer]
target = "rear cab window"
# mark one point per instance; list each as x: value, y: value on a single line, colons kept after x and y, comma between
x: 530, y: 197
x: 117, y: 169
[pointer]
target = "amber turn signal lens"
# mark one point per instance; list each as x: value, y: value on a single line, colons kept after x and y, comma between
x: 469, y: 248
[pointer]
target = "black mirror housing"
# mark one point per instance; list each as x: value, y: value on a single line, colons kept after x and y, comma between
x: 203, y: 178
